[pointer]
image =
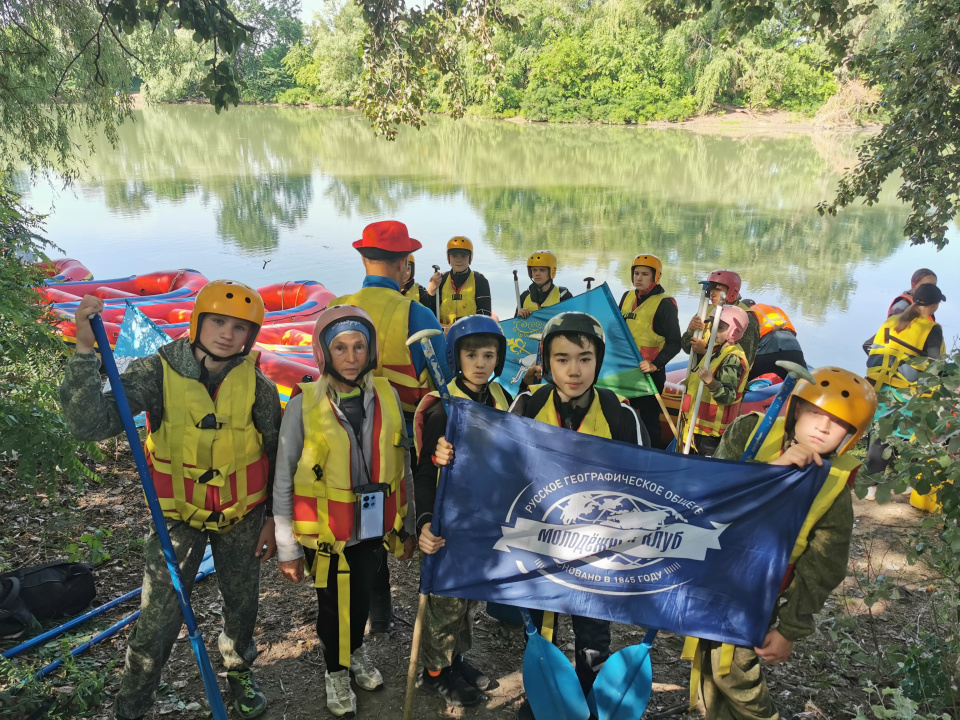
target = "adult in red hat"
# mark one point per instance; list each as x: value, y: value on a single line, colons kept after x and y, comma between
x: 385, y: 247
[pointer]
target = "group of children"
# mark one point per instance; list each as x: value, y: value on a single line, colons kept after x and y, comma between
x: 333, y: 480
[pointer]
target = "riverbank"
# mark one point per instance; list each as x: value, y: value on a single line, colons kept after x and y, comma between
x: 825, y: 677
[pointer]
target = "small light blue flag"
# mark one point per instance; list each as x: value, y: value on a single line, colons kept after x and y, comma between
x: 139, y: 337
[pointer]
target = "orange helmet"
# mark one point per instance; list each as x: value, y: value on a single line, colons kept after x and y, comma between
x: 650, y: 261
x: 843, y: 394
x: 460, y: 243
x: 542, y: 258
x: 230, y: 298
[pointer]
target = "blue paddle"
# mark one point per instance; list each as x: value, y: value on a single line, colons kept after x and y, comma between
x: 795, y: 373
x: 624, y: 684
x: 549, y: 679
x: 210, y: 685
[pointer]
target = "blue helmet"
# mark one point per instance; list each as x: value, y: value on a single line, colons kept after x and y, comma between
x: 475, y: 325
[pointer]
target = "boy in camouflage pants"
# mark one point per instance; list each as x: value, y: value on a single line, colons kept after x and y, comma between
x: 211, y: 484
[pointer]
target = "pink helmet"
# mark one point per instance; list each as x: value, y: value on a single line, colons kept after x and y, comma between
x: 730, y: 279
x: 737, y: 320
x: 336, y: 314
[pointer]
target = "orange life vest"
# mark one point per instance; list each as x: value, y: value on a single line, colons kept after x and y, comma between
x: 771, y: 318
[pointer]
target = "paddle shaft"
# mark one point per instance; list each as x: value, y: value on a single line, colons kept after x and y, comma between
x: 666, y: 414
x: 436, y: 268
x: 692, y: 361
x: 516, y: 289
x: 794, y: 376
x: 206, y: 569
x: 414, y: 658
x: 695, y: 408
x: 210, y: 685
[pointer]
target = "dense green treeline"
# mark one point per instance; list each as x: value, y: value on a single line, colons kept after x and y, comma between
x: 605, y: 61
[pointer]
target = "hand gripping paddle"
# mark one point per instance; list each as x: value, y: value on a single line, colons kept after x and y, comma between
x: 549, y: 679
x: 795, y: 373
x: 625, y: 682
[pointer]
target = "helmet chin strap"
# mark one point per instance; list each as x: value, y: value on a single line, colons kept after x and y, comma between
x: 218, y: 358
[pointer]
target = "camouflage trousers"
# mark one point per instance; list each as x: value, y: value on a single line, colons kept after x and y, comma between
x: 152, y: 638
x: 742, y: 693
x: 447, y: 630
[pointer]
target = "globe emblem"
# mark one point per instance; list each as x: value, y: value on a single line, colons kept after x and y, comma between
x: 615, y: 510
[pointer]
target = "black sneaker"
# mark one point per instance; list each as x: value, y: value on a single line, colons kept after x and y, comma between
x: 472, y: 675
x: 249, y: 700
x: 450, y: 686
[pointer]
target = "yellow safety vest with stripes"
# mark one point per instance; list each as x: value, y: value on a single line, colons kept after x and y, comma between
x: 206, y: 458
x: 841, y: 469
x: 456, y: 303
x: 640, y: 321
x: 712, y: 418
x: 553, y: 297
x: 892, y: 349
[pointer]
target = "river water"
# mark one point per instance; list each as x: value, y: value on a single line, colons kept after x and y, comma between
x: 270, y: 194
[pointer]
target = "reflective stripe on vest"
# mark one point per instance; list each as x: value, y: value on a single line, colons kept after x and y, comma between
x: 593, y: 423
x: 841, y: 469
x: 456, y: 303
x: 553, y: 297
x: 499, y: 399
x: 640, y: 321
x: 206, y: 458
x: 712, y: 418
x: 888, y: 362
x: 771, y: 318
x: 390, y: 312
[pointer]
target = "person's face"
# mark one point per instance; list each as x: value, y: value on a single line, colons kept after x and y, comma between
x: 477, y: 365
x: 459, y: 260
x: 224, y: 335
x: 643, y: 278
x: 408, y: 273
x: 718, y: 294
x: 723, y: 332
x: 817, y: 429
x: 540, y: 276
x: 926, y: 280
x: 348, y: 354
x: 572, y: 366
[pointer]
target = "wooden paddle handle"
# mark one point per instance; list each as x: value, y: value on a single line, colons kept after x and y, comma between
x: 414, y: 657
x: 666, y: 414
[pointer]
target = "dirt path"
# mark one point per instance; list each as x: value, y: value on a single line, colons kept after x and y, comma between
x: 822, y: 680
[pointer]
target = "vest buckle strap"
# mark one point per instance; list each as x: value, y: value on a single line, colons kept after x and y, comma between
x: 214, y: 518
x: 209, y: 422
x: 405, y: 443
x: 630, y: 316
x: 208, y: 476
x: 318, y: 471
x: 458, y: 296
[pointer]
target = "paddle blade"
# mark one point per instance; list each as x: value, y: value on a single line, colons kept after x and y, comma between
x: 623, y: 685
x: 551, y: 683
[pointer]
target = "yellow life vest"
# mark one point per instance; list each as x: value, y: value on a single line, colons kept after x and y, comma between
x: 499, y: 399
x: 594, y: 423
x: 206, y: 458
x: 412, y: 292
x: 390, y: 312
x: 712, y: 419
x: 892, y: 349
x: 841, y: 468
x: 323, y: 497
x: 640, y: 321
x: 553, y: 297
x: 457, y: 302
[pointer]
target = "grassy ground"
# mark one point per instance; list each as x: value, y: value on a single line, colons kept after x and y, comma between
x: 824, y: 678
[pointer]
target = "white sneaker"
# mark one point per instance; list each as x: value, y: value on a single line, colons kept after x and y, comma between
x: 366, y: 675
x: 341, y: 700
x: 871, y: 493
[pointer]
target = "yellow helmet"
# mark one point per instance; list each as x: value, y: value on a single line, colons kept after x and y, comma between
x: 843, y: 394
x: 460, y: 243
x: 542, y: 258
x: 650, y: 261
x: 231, y: 298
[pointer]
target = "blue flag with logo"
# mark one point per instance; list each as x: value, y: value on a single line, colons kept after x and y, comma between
x: 620, y: 371
x: 548, y: 518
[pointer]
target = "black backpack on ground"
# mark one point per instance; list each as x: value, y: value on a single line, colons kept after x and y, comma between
x: 43, y: 592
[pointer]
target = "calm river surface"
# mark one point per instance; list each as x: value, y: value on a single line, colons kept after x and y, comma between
x: 269, y: 194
